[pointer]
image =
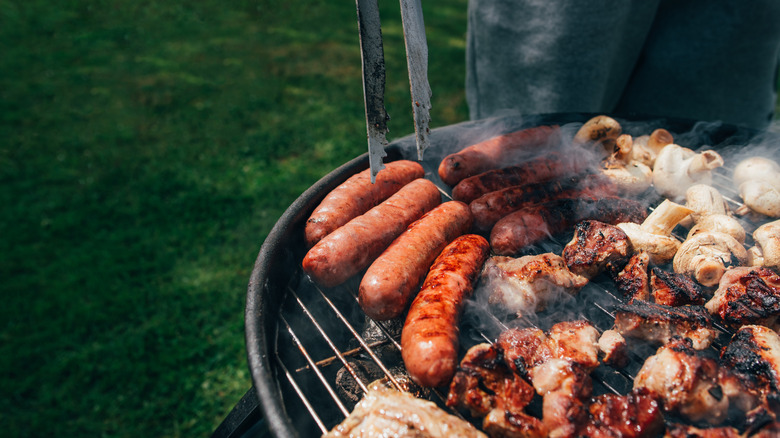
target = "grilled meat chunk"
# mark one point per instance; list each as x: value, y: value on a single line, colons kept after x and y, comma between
x: 386, y: 412
x: 753, y: 357
x: 576, y: 341
x: 595, y: 247
x: 688, y: 431
x: 637, y: 414
x: 524, y: 348
x: 685, y: 381
x: 530, y: 283
x: 565, y: 388
x: 671, y: 289
x: 613, y: 345
x: 659, y: 323
x: 634, y: 281
x: 747, y: 296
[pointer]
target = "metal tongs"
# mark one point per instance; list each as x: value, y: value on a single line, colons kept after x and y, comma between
x: 373, y: 57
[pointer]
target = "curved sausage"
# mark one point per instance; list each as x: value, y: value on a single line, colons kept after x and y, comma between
x: 534, y: 223
x: 389, y: 282
x: 496, y: 152
x: 536, y: 170
x: 357, y: 195
x: 429, y: 340
x: 353, y: 246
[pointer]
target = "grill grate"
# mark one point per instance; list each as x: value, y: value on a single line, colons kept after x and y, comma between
x: 328, y: 352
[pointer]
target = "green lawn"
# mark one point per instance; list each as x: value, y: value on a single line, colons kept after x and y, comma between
x: 147, y: 149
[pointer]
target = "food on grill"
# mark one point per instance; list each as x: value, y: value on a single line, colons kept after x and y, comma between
x: 614, y: 347
x: 576, y: 341
x: 565, y: 388
x: 389, y: 283
x: 600, y: 130
x: 752, y: 168
x: 688, y: 431
x: 497, y: 152
x: 631, y: 178
x: 658, y: 323
x: 767, y: 245
x: 356, y: 196
x: 753, y: 357
x: 758, y: 180
x: 636, y: 414
x: 485, y: 386
x: 634, y: 280
x: 645, y: 148
x: 672, y: 289
x: 707, y: 255
x: 595, y: 247
x: 653, y: 235
x: 528, y: 284
x: 387, y: 412
x: 686, y: 382
x: 704, y: 200
x: 549, y: 167
x: 532, y: 224
x: 747, y: 295
x: 491, y: 207
x: 721, y: 223
x: 677, y: 168
x: 526, y: 348
x: 429, y: 340
x: 352, y: 247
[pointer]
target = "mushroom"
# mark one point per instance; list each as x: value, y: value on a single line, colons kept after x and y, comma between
x: 630, y: 177
x: 603, y: 130
x: 704, y: 200
x: 707, y: 255
x: 647, y: 147
x: 677, y: 168
x: 719, y: 222
x: 767, y: 248
x: 760, y: 196
x: 654, y: 234
x: 755, y: 168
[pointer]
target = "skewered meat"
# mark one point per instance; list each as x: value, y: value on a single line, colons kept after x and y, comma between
x: 594, y: 247
x: 688, y: 431
x: 532, y: 224
x: 707, y: 255
x: 747, y: 295
x: 634, y: 281
x: 356, y: 196
x: 497, y: 152
x: 550, y: 167
x: 659, y: 323
x: 685, y: 381
x: 486, y: 387
x: 390, y: 281
x: 614, y: 347
x: 527, y: 284
x: 676, y: 168
x: 767, y: 238
x: 429, y: 339
x: 637, y: 414
x: 653, y: 235
x: 491, y: 207
x: 386, y: 412
x: 671, y: 289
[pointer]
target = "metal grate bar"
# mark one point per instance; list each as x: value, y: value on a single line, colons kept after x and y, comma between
x: 301, y: 395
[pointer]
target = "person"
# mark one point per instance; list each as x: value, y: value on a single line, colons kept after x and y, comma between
x: 696, y: 59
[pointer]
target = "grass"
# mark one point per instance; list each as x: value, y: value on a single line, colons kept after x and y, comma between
x: 147, y: 149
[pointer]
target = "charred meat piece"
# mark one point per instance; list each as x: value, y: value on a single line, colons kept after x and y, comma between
x: 688, y: 431
x: 576, y: 341
x: 747, y: 296
x: 771, y: 430
x: 633, y: 281
x: 596, y: 246
x: 637, y: 414
x: 386, y: 412
x: 614, y: 347
x: 565, y: 388
x: 659, y: 323
x: 671, y: 289
x: 528, y: 284
x: 524, y: 348
x: 486, y: 387
x: 753, y: 356
x: 686, y: 382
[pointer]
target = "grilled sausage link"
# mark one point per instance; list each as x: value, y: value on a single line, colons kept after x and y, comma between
x: 491, y: 207
x: 495, y: 152
x: 534, y: 223
x: 429, y: 340
x: 536, y: 170
x: 357, y: 195
x: 389, y: 282
x: 353, y: 246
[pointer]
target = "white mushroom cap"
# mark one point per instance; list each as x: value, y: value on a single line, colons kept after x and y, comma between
x: 755, y: 168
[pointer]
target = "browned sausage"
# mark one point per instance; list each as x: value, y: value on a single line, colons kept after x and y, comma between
x: 534, y: 223
x: 536, y: 170
x: 389, y: 282
x: 491, y: 207
x: 353, y: 246
x: 429, y: 340
x: 357, y: 195
x: 496, y: 152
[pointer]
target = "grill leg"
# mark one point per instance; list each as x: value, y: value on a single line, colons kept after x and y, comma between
x: 244, y: 421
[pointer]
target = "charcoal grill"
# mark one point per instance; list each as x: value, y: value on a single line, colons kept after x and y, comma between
x: 312, y: 351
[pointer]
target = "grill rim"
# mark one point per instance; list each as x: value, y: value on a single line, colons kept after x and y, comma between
x: 276, y: 260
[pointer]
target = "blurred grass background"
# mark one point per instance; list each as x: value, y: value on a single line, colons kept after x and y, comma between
x: 146, y: 150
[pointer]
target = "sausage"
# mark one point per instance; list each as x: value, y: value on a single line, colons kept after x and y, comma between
x: 353, y: 246
x: 491, y: 207
x: 429, y: 340
x: 536, y: 170
x: 389, y: 282
x: 356, y: 196
x: 534, y: 223
x: 496, y: 152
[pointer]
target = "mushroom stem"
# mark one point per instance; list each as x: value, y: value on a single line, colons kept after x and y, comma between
x: 665, y: 217
x: 704, y: 162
